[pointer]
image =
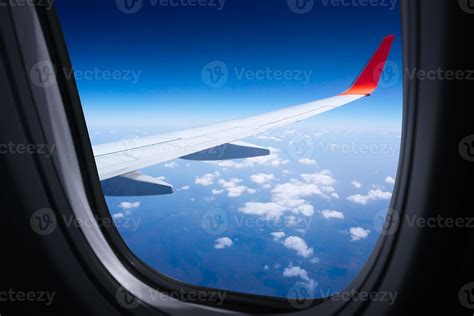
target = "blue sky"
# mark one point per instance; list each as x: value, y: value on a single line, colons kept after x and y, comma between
x: 295, y: 220
x: 168, y: 47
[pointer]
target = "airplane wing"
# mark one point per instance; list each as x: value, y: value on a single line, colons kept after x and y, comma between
x: 118, y: 163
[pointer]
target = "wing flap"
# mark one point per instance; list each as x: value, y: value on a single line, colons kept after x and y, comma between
x: 235, y: 150
x: 135, y: 184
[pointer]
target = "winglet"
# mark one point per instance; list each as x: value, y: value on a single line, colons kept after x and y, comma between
x: 368, y: 80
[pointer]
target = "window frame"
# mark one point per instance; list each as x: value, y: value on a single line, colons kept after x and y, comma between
x: 68, y: 97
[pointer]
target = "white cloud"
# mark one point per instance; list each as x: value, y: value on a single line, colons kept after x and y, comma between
x: 129, y: 205
x: 290, y: 196
x: 234, y: 187
x: 262, y: 178
x: 171, y: 165
x: 390, y: 180
x: 273, y: 160
x: 328, y: 214
x: 356, y: 184
x: 358, y: 233
x: 313, y: 184
x: 334, y: 195
x: 295, y: 190
x: 297, y: 272
x: 274, y: 211
x: 373, y: 195
x: 127, y: 208
x: 307, y: 161
x: 277, y: 236
x: 207, y: 179
x: 185, y: 188
x: 299, y: 245
x: 118, y: 215
x: 224, y: 242
x: 270, y: 211
x: 322, y: 178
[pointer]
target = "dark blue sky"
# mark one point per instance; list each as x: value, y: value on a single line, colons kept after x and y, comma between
x: 169, y: 46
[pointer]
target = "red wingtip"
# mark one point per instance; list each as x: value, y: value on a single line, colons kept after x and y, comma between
x: 368, y: 80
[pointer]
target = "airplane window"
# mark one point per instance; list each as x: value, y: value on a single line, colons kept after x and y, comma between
x: 248, y: 146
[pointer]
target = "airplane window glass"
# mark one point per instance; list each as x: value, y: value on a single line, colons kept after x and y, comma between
x: 204, y: 182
